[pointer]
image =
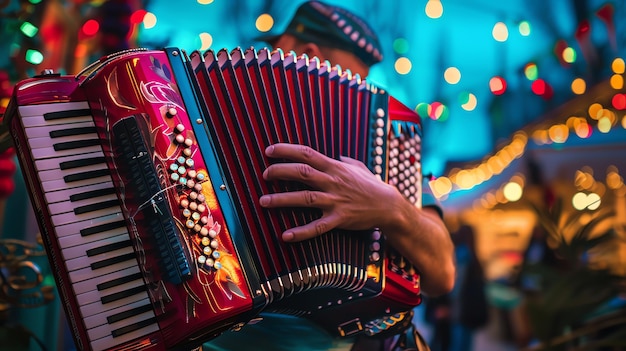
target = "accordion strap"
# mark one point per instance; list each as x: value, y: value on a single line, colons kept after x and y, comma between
x: 408, y: 340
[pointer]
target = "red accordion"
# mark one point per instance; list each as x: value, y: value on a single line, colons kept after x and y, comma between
x: 145, y: 171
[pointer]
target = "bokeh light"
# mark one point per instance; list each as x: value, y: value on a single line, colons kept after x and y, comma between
x: 264, y: 22
x: 452, y: 75
x: 33, y: 56
x: 524, y: 28
x: 531, y: 71
x: 438, y: 111
x: 512, y: 191
x: 28, y: 29
x: 583, y: 130
x: 400, y: 46
x: 569, y: 55
x: 434, y: 9
x: 470, y: 103
x: 604, y: 125
x: 618, y: 65
x: 403, y: 65
x: 558, y: 133
x: 613, y: 179
x: 594, y: 110
x: 138, y: 16
x: 497, y: 85
x: 423, y: 109
x: 619, y: 101
x: 579, y: 86
x: 539, y: 87
x: 617, y: 81
x: 206, y: 40
x: 149, y: 20
x: 582, y: 201
x: 91, y: 27
x: 500, y: 32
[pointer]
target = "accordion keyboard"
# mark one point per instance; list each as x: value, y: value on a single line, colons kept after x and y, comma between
x: 89, y: 223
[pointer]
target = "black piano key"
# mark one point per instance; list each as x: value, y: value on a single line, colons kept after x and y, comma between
x: 82, y: 162
x: 72, y: 131
x: 66, y: 114
x: 96, y: 206
x: 102, y: 228
x: 76, y: 144
x: 108, y: 248
x: 133, y: 327
x: 118, y: 281
x: 86, y: 175
x: 130, y: 313
x: 113, y: 260
x: 91, y: 194
x: 122, y: 294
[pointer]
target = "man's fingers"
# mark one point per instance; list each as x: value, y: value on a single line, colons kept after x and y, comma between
x: 300, y: 153
x: 304, y: 198
x: 297, y: 172
x: 311, y: 230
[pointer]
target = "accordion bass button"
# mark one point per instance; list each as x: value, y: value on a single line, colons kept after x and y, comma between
x: 171, y: 112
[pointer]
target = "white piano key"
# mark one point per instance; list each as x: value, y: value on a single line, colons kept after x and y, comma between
x: 95, y: 296
x: 77, y: 240
x: 74, y: 228
x: 39, y: 110
x: 92, y: 284
x: 46, y: 142
x: 44, y: 131
x: 84, y: 262
x: 70, y: 217
x: 88, y: 273
x: 49, y: 152
x: 73, y: 252
x: 68, y: 206
x: 56, y: 174
x: 60, y: 184
x: 110, y: 341
x: 64, y: 194
x: 36, y: 121
x: 99, y: 319
x: 53, y: 163
x: 96, y: 307
x: 105, y: 330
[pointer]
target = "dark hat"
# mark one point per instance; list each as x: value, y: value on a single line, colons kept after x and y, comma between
x: 335, y: 27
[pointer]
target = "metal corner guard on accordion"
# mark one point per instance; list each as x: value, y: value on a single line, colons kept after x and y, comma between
x: 145, y: 172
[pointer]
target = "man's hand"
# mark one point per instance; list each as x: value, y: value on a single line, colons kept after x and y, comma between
x: 348, y: 193
x: 352, y: 197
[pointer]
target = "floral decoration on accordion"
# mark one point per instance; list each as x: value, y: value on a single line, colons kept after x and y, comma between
x: 215, y: 264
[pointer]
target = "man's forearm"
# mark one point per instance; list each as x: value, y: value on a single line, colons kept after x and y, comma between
x: 421, y: 236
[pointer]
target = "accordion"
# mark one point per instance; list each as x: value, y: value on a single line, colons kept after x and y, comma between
x: 145, y: 172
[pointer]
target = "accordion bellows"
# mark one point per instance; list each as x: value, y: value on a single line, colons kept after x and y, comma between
x: 145, y: 172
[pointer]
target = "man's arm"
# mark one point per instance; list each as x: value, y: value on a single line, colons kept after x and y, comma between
x: 351, y: 197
